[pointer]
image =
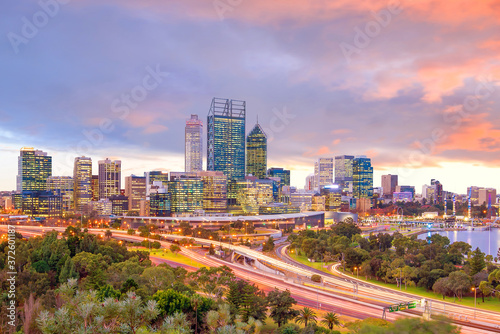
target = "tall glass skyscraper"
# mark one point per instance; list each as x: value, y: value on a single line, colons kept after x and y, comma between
x: 194, y: 144
x: 82, y: 176
x: 362, y: 174
x: 323, y: 172
x: 226, y: 137
x: 110, y: 172
x: 34, y: 167
x: 343, y: 172
x: 257, y: 152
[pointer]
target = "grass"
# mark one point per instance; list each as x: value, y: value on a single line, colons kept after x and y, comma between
x: 303, y: 259
x: 489, y: 304
x: 168, y: 255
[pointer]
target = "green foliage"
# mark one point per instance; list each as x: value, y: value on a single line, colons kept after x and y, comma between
x: 107, y: 291
x: 41, y: 266
x: 170, y: 302
x: 410, y: 325
x: 280, y: 305
x: 305, y: 316
x: 477, y: 262
x: 174, y: 248
x: 68, y: 271
x: 346, y: 229
x: 316, y: 278
x: 330, y: 320
x: 268, y: 245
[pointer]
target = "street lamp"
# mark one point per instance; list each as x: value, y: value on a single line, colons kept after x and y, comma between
x: 357, y: 272
x: 475, y: 290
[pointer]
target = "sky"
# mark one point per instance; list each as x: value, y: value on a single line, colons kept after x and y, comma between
x: 414, y: 85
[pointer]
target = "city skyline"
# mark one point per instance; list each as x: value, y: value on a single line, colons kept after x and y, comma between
x: 361, y: 106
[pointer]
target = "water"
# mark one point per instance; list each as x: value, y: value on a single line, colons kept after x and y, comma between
x: 487, y: 241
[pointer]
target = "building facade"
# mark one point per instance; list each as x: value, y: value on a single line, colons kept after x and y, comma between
x: 193, y: 144
x: 389, y: 183
x: 282, y: 173
x: 344, y: 173
x: 324, y: 173
x: 64, y: 187
x: 257, y: 153
x: 186, y: 195
x: 82, y: 177
x: 109, y: 178
x: 34, y: 167
x: 226, y: 137
x: 135, y: 190
x: 362, y: 175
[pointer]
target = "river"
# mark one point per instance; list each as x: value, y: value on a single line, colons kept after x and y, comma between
x: 487, y: 241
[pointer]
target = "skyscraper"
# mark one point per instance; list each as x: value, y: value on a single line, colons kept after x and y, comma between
x: 95, y: 187
x: 389, y: 183
x: 257, y: 152
x: 135, y: 189
x: 343, y: 172
x: 324, y: 172
x: 362, y: 174
x: 82, y: 177
x: 283, y: 174
x: 186, y: 194
x: 226, y: 137
x: 109, y: 178
x: 34, y: 167
x: 194, y: 144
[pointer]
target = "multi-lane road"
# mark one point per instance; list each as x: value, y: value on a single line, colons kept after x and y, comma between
x: 337, y: 294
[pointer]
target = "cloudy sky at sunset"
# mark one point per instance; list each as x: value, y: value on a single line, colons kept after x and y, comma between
x: 414, y: 85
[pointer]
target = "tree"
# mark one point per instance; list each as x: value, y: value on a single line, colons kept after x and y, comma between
x: 131, y: 231
x: 108, y: 234
x: 459, y: 282
x: 305, y: 316
x: 280, y: 304
x: 269, y: 245
x: 212, y: 281
x: 331, y: 319
x: 176, y: 323
x: 158, y: 278
x: 485, y: 288
x: 170, y: 302
x: 346, y: 229
x: 174, y: 248
x: 441, y: 286
x: 477, y: 262
x: 68, y: 271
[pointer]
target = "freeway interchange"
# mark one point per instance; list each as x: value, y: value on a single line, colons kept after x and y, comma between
x: 338, y: 293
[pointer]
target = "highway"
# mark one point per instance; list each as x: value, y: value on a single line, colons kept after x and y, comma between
x: 369, y: 302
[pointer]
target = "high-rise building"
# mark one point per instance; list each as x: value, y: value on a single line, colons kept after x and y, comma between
x: 438, y: 191
x: 310, y: 182
x: 82, y: 177
x: 119, y: 205
x: 43, y: 204
x: 34, y: 167
x: 135, y: 190
x: 214, y: 191
x: 64, y: 187
x: 154, y: 180
x: 343, y: 172
x: 257, y: 152
x: 194, y: 144
x: 324, y: 172
x: 389, y: 183
x: 159, y: 204
x: 282, y: 173
x: 487, y: 196
x: 109, y: 178
x: 253, y: 193
x: 186, y: 194
x: 362, y: 175
x: 226, y: 137
x: 95, y: 187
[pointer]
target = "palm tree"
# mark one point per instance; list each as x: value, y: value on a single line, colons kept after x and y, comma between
x: 108, y: 234
x: 331, y: 319
x: 306, y: 315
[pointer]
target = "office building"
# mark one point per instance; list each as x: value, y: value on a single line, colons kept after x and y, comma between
x: 310, y: 182
x: 226, y: 137
x: 324, y: 173
x: 194, y: 144
x: 82, y: 177
x: 119, y: 205
x: 109, y: 178
x: 438, y: 191
x: 282, y: 173
x: 343, y: 173
x: 406, y: 189
x: 64, y: 187
x: 253, y: 193
x: 41, y: 204
x: 302, y: 200
x: 257, y: 153
x: 95, y: 187
x: 362, y: 175
x: 155, y: 180
x: 389, y: 183
x: 34, y: 167
x: 102, y: 207
x: 214, y: 191
x: 473, y: 193
x: 186, y: 194
x: 160, y: 204
x: 135, y: 190
x: 487, y: 196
